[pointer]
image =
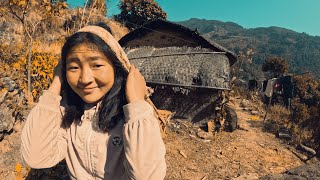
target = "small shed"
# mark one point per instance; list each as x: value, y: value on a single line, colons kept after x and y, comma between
x: 185, y: 70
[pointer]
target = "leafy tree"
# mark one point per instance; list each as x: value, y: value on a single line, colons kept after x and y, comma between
x: 245, y: 59
x: 277, y: 66
x: 135, y: 13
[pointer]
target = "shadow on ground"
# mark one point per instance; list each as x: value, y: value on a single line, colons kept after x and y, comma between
x: 311, y: 170
x: 58, y: 172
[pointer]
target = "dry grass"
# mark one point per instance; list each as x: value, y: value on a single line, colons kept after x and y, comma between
x: 279, y: 114
x: 118, y: 30
x: 52, y: 48
x: 278, y: 118
x: 301, y: 135
x: 297, y: 121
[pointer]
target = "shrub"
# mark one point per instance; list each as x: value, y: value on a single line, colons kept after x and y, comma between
x: 300, y: 113
x: 42, y: 66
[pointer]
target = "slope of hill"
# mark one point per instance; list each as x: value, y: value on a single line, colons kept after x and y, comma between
x: 300, y: 49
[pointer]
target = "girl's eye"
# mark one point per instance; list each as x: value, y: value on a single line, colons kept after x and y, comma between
x: 73, y: 68
x: 97, y: 66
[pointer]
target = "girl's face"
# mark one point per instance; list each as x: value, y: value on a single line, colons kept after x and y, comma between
x: 89, y: 73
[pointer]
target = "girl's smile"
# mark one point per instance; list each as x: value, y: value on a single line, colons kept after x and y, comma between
x: 88, y: 90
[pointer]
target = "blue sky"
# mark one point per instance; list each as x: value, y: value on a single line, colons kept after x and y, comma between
x: 297, y: 15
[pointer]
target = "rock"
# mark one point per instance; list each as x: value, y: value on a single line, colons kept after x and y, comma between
x: 5, y: 146
x: 192, y: 136
x: 313, y: 160
x: 6, y: 120
x: 204, y: 178
x: 14, y: 93
x: 242, y: 128
x: 8, y: 175
x: 3, y: 95
x: 247, y: 176
x: 300, y: 156
x: 307, y: 149
x: 206, y: 140
x: 7, y: 161
x: 9, y: 84
x: 244, y: 103
x: 183, y: 154
x: 205, y: 135
x: 284, y: 134
x: 262, y: 145
x: 307, y: 171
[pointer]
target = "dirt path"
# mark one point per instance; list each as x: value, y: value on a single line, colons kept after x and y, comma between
x: 249, y: 153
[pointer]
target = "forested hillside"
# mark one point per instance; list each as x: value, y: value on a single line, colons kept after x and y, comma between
x: 300, y: 49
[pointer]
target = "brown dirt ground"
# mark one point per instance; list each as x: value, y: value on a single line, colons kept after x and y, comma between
x: 247, y: 153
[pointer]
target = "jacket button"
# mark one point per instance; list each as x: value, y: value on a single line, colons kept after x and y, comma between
x: 117, y: 141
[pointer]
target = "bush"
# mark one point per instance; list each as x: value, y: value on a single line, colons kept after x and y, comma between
x: 300, y: 113
x: 42, y: 66
x: 276, y: 65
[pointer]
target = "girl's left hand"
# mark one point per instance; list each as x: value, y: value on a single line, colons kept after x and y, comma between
x: 55, y: 86
x: 136, y: 85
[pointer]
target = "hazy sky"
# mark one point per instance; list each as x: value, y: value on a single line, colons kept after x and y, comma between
x: 297, y: 15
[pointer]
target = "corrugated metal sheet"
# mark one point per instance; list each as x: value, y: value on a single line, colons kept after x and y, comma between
x: 182, y: 66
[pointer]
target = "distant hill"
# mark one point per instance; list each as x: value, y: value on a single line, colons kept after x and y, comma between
x: 300, y: 49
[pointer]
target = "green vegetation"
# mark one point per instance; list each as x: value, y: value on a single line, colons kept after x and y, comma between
x: 275, y: 65
x: 300, y: 49
x: 135, y: 13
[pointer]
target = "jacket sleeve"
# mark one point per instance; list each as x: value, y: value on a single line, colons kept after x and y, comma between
x: 44, y: 142
x: 143, y: 144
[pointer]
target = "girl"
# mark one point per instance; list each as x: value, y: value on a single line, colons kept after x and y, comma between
x: 102, y: 126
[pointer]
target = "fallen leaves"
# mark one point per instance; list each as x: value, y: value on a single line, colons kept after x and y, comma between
x: 18, y: 167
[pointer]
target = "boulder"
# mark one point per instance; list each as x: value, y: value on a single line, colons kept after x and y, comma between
x: 244, y: 103
x: 6, y: 120
x: 205, y: 135
x: 8, y: 84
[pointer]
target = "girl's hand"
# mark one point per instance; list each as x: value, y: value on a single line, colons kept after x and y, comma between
x: 55, y: 86
x: 135, y: 86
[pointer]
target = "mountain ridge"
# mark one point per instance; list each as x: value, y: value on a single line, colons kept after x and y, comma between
x: 300, y: 49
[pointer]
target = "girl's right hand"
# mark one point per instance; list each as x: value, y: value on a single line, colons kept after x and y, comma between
x: 55, y: 86
x: 135, y: 85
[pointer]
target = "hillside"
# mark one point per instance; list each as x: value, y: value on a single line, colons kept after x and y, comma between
x: 255, y: 150
x: 300, y: 49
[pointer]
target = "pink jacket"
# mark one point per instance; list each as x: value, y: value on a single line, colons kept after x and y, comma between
x: 134, y: 149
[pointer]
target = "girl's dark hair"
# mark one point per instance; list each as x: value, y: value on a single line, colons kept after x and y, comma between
x: 110, y: 111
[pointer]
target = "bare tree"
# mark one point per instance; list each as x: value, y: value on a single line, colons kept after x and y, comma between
x: 23, y: 11
x: 100, y: 5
